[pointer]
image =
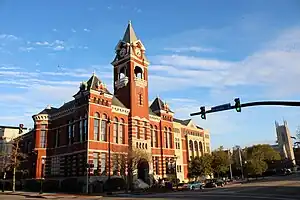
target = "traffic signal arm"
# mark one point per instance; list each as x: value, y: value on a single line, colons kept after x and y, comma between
x: 257, y: 103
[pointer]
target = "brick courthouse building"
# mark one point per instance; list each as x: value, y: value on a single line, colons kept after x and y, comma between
x: 65, y: 139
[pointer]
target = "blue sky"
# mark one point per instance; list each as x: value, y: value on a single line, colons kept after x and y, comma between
x: 202, y: 52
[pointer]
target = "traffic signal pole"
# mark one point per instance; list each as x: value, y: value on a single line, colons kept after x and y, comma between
x: 238, y: 106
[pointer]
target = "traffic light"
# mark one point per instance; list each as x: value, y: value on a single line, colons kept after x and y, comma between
x: 237, y: 105
x: 21, y: 126
x: 202, y: 110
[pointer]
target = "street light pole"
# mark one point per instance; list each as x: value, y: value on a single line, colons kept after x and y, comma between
x: 175, y: 168
x: 42, y: 176
x: 109, y: 163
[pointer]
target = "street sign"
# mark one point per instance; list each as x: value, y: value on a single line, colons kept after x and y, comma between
x: 221, y: 107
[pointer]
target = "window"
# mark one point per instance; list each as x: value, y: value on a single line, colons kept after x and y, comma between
x: 85, y: 127
x: 156, y: 165
x: 201, y: 147
x: 166, y: 138
x: 103, y: 128
x: 55, y: 165
x: 56, y: 137
x: 103, y: 162
x: 178, y: 168
x: 152, y: 135
x: 95, y: 160
x: 191, y: 145
x: 177, y: 143
x: 73, y: 132
x: 96, y: 126
x: 80, y: 129
x: 122, y: 131
x: 140, y: 99
x: 145, y: 131
x: 70, y: 133
x: 196, y: 148
x: 155, y: 141
x: 170, y: 139
x: 43, y: 139
x: 115, y: 164
x: 115, y: 134
x: 29, y: 147
x: 137, y: 129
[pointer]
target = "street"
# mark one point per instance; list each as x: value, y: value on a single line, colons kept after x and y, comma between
x: 273, y: 188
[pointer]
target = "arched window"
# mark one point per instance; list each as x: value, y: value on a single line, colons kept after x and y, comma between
x: 152, y: 135
x: 201, y: 148
x: 166, y: 138
x: 116, y: 133
x: 170, y: 139
x: 196, y: 148
x: 191, y: 145
x: 138, y: 72
x: 155, y: 141
x: 192, y: 148
x: 122, y: 131
x: 96, y: 126
x: 103, y: 127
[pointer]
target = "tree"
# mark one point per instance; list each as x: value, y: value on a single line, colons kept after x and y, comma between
x: 15, y: 157
x: 200, y: 166
x: 258, y: 156
x: 256, y: 166
x: 220, y: 162
x: 262, y: 151
x: 131, y: 160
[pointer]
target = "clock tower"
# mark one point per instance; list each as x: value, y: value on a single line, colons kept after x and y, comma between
x: 131, y: 74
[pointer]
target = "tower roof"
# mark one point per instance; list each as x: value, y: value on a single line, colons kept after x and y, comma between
x: 129, y: 35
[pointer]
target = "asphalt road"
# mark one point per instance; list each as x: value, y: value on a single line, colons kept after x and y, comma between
x: 274, y: 188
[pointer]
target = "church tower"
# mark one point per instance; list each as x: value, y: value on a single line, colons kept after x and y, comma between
x: 131, y: 74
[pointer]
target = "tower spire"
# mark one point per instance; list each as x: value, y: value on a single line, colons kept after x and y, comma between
x: 129, y: 35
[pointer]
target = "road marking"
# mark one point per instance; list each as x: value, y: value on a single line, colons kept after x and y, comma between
x: 250, y: 196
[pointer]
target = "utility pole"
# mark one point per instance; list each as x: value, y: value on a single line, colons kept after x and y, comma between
x: 230, y: 168
x: 241, y: 162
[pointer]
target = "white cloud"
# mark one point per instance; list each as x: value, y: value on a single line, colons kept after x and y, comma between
x: 56, y: 45
x: 59, y: 48
x: 26, y: 49
x: 276, y: 67
x: 138, y: 10
x: 54, y: 30
x: 87, y: 30
x: 9, y: 37
x: 191, y: 61
x: 73, y: 30
x: 190, y: 49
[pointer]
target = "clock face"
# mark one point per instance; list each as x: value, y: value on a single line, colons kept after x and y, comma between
x: 138, y: 52
x: 123, y: 52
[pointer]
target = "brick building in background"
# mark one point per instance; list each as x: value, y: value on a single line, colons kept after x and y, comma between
x: 67, y: 138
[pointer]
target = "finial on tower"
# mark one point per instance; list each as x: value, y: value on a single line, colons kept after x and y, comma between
x: 129, y: 22
x: 94, y: 73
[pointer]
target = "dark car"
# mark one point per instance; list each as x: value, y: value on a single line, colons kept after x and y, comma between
x: 210, y: 184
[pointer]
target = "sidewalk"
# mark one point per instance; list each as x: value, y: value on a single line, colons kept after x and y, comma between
x: 49, y: 195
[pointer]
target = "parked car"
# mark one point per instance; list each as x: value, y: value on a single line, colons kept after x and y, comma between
x: 195, y: 185
x: 219, y: 182
x: 210, y: 184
